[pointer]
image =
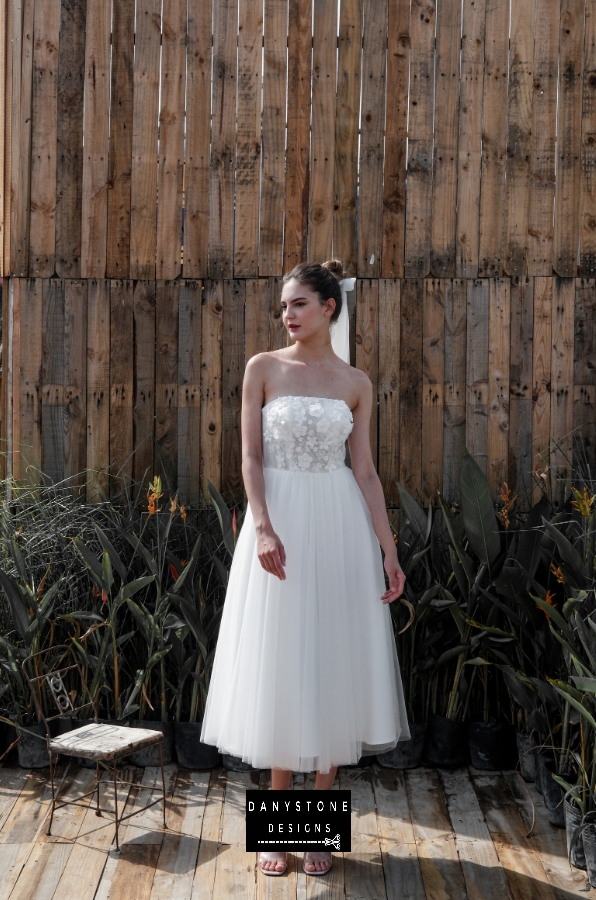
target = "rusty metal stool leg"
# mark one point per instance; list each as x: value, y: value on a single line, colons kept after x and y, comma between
x: 163, y: 782
x: 49, y: 831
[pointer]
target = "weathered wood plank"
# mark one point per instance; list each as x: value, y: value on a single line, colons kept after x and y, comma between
x: 410, y: 427
x: 541, y: 374
x: 69, y: 152
x: 433, y: 374
x: 143, y: 185
x: 235, y: 868
x: 256, y: 319
x: 28, y: 443
x: 166, y: 383
x: 232, y: 373
x: 420, y: 140
x: 121, y: 384
x: 120, y: 155
x: 363, y: 869
x: 75, y: 381
x: 198, y: 137
x: 8, y: 14
x: 519, y: 476
x: 396, y: 132
x: 367, y: 345
x: 44, y: 113
x: 298, y: 132
x: 454, y: 410
x: 494, y: 140
x: 274, y: 138
x: 223, y: 140
x: 587, y: 231
x: 96, y: 133
x: 189, y: 390
x: 347, y: 109
x: 567, y: 197
x: 370, y: 205
x: 278, y: 334
x: 211, y: 384
x: 388, y: 387
x: 52, y: 379
x: 470, y: 136
x: 497, y: 466
x: 171, y: 139
x: 144, y: 379
x: 322, y: 156
x: 12, y: 782
x: 98, y: 388
x: 442, y: 260
x: 477, y: 321
x: 248, y: 139
x: 561, y: 410
x: 22, y: 76
x: 28, y: 815
x: 584, y: 375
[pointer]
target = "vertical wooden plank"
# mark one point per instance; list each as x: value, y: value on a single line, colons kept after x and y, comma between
x: 494, y: 140
x: 166, y: 383
x: 519, y: 136
x: 298, y: 132
x: 121, y: 384
x: 198, y: 137
x: 98, y: 388
x: 584, y: 372
x: 144, y: 379
x: 470, y: 135
x: 5, y: 382
x: 322, y: 149
x: 52, y: 379
x: 120, y: 156
x: 420, y: 140
x: 211, y: 385
x: 16, y: 288
x: 410, y: 427
x: 396, y: 133
x: 442, y: 260
x: 477, y: 320
x: 69, y: 153
x: 347, y: 110
x: 7, y: 179
x: 370, y: 203
x: 274, y: 137
x: 22, y: 74
x: 587, y: 230
x: 28, y: 375
x: 544, y: 131
x: 561, y: 409
x: 143, y: 183
x: 248, y: 139
x: 367, y: 346
x: 4, y: 52
x: 389, y: 387
x: 44, y: 111
x: 498, y: 384
x: 567, y: 195
x: 541, y: 374
x: 454, y: 410
x: 256, y: 318
x: 519, y: 475
x: 223, y: 139
x: 232, y: 374
x: 75, y: 382
x: 189, y: 391
x: 278, y: 334
x: 171, y: 139
x: 433, y: 375
x: 95, y: 157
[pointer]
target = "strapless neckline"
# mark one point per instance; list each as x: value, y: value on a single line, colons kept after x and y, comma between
x: 304, y: 397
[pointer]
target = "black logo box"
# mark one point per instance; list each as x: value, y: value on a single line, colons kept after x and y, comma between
x: 298, y: 820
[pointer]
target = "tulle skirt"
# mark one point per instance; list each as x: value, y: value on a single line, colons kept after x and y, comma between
x: 306, y: 674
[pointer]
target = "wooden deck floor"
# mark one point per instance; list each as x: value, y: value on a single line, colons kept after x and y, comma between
x: 417, y: 835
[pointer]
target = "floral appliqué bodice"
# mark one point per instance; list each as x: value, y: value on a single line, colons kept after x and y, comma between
x: 306, y: 434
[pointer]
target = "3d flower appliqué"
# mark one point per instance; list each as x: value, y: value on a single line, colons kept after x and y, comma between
x: 303, y: 435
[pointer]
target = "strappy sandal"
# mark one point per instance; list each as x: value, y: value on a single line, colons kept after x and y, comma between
x: 270, y: 857
x: 316, y: 871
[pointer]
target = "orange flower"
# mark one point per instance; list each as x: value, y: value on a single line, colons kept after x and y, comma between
x: 183, y: 514
x: 550, y: 597
x: 153, y: 495
x: 556, y: 570
x: 508, y: 502
x: 104, y: 597
x: 583, y: 501
x: 174, y: 572
x: 95, y: 592
x: 174, y: 504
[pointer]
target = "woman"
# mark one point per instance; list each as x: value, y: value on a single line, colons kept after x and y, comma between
x: 306, y: 674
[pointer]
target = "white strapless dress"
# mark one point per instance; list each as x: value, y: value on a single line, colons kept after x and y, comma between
x: 306, y: 674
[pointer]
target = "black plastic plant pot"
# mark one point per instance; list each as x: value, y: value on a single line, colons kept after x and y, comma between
x: 526, y: 752
x: 191, y: 752
x: 548, y: 754
x: 573, y: 819
x: 552, y: 792
x: 33, y: 752
x: 492, y: 746
x: 589, y: 842
x: 8, y: 735
x: 236, y: 763
x: 446, y: 743
x: 406, y: 754
x: 150, y: 756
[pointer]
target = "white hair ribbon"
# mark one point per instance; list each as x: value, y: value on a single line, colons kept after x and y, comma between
x: 340, y: 329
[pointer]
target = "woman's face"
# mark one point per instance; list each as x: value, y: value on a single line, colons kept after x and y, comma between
x: 303, y: 313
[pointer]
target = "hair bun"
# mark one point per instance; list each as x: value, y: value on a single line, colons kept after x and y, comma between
x: 336, y: 268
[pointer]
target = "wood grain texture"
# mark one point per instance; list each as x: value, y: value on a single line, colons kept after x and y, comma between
x: 52, y: 379
x: 584, y: 372
x: 454, y: 409
x: 388, y: 388
x: 166, y: 383
x: 22, y: 75
x: 367, y: 346
x: 274, y: 137
x: 519, y: 475
x: 442, y: 262
x: 144, y: 301
x: 75, y: 382
x: 121, y: 384
x: 232, y: 373
x: 8, y: 22
x: 541, y: 376
x: 98, y: 389
x: 500, y: 319
x: 256, y: 317
x: 347, y: 109
x: 28, y: 442
x: 189, y: 390
x: 477, y: 322
x: 587, y: 216
x: 433, y: 368
x: 561, y: 410
x: 410, y: 427
x: 211, y: 384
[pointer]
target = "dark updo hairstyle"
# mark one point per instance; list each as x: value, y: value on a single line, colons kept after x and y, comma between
x: 323, y: 279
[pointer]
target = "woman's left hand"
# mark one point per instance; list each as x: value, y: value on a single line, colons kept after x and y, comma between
x: 397, y: 579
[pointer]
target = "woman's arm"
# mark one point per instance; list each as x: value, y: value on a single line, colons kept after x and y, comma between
x: 270, y: 549
x: 372, y: 489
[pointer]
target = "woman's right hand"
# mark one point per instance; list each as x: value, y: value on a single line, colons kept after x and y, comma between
x: 271, y: 553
